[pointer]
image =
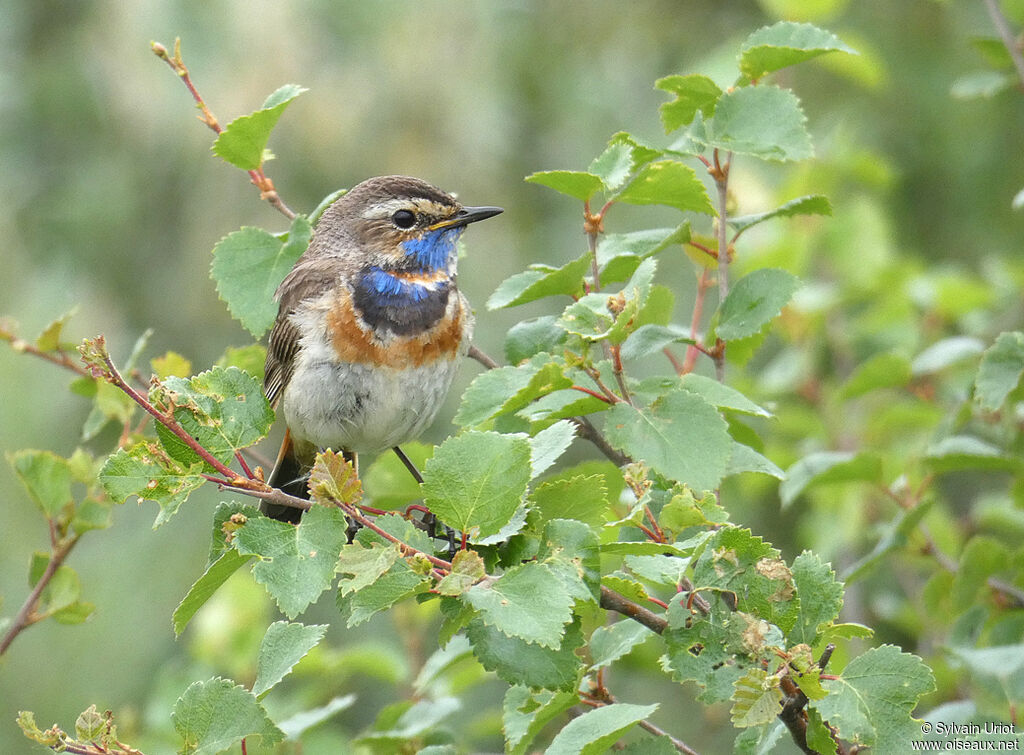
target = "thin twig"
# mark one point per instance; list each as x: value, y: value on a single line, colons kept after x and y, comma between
x: 60, y: 358
x: 259, y: 178
x: 26, y: 614
x: 720, y: 173
x: 698, y: 312
x: 1006, y: 35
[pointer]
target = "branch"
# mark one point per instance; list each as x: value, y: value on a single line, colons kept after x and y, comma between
x: 1006, y: 35
x: 259, y: 178
x: 27, y: 613
x: 721, y: 175
x: 60, y: 358
x: 612, y: 601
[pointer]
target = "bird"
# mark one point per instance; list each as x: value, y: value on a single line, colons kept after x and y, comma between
x: 370, y: 327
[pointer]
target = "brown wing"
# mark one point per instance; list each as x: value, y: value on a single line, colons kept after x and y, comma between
x: 306, y: 281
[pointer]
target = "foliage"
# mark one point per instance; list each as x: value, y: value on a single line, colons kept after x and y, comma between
x: 553, y: 577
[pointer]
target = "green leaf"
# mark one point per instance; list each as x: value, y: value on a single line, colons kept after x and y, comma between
x: 50, y: 339
x: 467, y: 570
x: 812, y: 204
x: 145, y: 470
x: 225, y: 410
x: 46, y: 477
x: 756, y: 698
x: 999, y: 372
x: 981, y: 558
x: 214, y: 715
x: 505, y: 390
x: 249, y: 264
x: 396, y: 584
x: 614, y: 165
x: 249, y: 359
x: 680, y: 436
x: 528, y: 338
x: 613, y: 641
x: 90, y: 725
x: 721, y: 395
x: 982, y: 84
x: 619, y: 254
x: 596, y: 730
x: 558, y: 405
x: 945, y: 353
x: 894, y: 536
x: 477, y: 481
x: 548, y: 445
x: 886, y: 370
x: 755, y: 300
x: 785, y: 44
x: 580, y: 497
x: 763, y: 121
x: 282, y: 647
x: 651, y: 339
x: 202, y: 590
x: 171, y: 363
x: 539, y: 281
x: 243, y: 141
x: 670, y: 183
x: 525, y: 712
x: 693, y: 93
x: 365, y: 564
x: 519, y: 662
x: 528, y: 601
x: 387, y: 481
x: 820, y: 594
x: 871, y: 701
x: 574, y: 183
x: 959, y: 452
x: 825, y: 467
x: 334, y: 196
x: 296, y: 725
x: 296, y: 563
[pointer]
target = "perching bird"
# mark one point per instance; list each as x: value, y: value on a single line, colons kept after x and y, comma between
x: 370, y: 327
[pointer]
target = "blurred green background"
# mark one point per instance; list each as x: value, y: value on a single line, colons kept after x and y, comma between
x: 112, y: 203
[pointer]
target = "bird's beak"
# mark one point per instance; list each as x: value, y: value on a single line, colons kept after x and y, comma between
x: 465, y: 216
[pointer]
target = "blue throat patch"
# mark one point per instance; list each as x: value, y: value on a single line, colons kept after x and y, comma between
x: 386, y: 302
x: 433, y: 249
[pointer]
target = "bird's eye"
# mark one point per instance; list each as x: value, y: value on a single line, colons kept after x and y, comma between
x: 404, y: 219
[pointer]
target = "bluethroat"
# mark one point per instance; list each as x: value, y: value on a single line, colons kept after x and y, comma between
x: 370, y: 327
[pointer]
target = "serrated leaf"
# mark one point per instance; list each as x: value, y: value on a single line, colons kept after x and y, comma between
x: 295, y: 725
x: 886, y: 370
x: 296, y: 563
x: 333, y: 480
x: 467, y: 570
x: 650, y: 339
x: 812, y: 204
x: 364, y: 564
x: 90, y: 725
x: 610, y: 643
x: 243, y: 141
x: 871, y: 701
x: 755, y: 300
x: 282, y: 647
x: 820, y: 595
x: 825, y: 467
x: 528, y: 338
x: 202, y: 589
x: 670, y: 183
x: 146, y: 471
x: 225, y: 410
x: 528, y: 601
x: 999, y: 372
x: 693, y: 93
x: 249, y: 264
x: 959, y: 452
x: 785, y: 44
x: 505, y: 390
x: 596, y: 730
x: 477, y: 481
x: 46, y: 477
x: 573, y: 183
x: 614, y: 165
x: 756, y: 698
x: 525, y: 712
x: 619, y: 254
x: 763, y: 121
x: 540, y: 281
x: 212, y: 716
x: 548, y: 445
x: 396, y: 584
x: 680, y: 436
x: 519, y: 662
x: 580, y: 497
x: 721, y: 395
x: 50, y: 339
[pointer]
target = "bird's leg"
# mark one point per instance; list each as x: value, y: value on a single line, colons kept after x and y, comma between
x: 428, y: 518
